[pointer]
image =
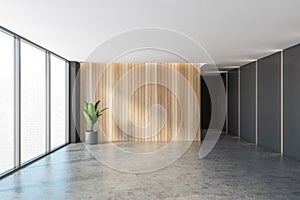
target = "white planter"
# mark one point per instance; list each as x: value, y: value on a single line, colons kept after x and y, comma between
x: 91, y: 137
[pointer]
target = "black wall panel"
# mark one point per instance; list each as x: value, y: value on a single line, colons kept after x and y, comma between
x: 233, y: 102
x: 74, y: 104
x: 291, y: 95
x: 269, y: 102
x: 206, y: 100
x: 247, y: 115
x: 205, y: 105
x: 223, y: 75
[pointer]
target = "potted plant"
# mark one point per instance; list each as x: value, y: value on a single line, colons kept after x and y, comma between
x: 91, y: 114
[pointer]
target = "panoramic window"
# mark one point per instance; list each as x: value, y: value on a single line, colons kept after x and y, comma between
x: 28, y: 85
x: 6, y: 102
x: 33, y: 102
x: 58, y: 101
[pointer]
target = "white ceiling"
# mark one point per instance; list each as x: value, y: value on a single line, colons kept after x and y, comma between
x: 234, y: 32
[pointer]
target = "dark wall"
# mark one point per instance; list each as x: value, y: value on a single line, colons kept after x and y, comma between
x: 206, y: 109
x: 247, y: 98
x: 291, y: 95
x: 74, y: 102
x: 269, y: 102
x: 224, y: 82
x: 205, y: 105
x: 233, y: 102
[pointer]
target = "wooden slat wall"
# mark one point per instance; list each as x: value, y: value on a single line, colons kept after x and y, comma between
x: 99, y: 79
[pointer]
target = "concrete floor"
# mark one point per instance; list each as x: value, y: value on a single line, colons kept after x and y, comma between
x: 233, y: 170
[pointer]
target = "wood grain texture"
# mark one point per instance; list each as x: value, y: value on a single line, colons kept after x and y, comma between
x: 98, y: 81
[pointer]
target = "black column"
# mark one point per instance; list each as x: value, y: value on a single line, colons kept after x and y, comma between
x: 205, y: 106
x: 74, y: 102
x: 223, y: 76
x: 207, y: 98
x: 269, y: 101
x: 248, y: 99
x: 233, y: 102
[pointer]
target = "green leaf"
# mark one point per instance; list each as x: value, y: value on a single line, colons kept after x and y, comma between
x: 101, y: 111
x: 88, y: 118
x: 91, y: 111
x: 97, y: 113
x: 90, y: 108
x: 96, y: 105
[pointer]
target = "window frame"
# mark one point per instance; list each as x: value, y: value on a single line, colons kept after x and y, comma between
x: 17, y: 102
x: 14, y: 110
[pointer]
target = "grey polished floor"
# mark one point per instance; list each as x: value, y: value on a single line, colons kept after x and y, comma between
x: 233, y: 170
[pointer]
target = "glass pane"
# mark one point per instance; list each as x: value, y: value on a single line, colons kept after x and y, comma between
x: 6, y: 102
x: 33, y: 102
x: 58, y: 101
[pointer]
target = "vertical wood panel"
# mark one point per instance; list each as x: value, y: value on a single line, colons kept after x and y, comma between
x: 99, y: 79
